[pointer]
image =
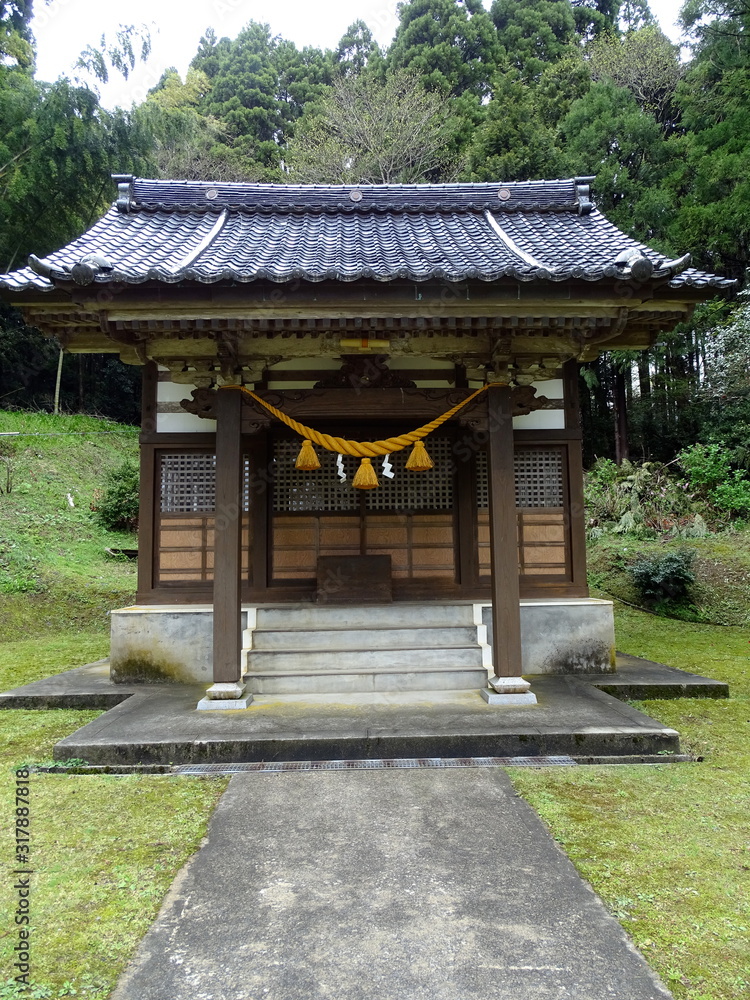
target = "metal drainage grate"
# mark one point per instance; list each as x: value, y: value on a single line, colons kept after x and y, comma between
x: 280, y: 766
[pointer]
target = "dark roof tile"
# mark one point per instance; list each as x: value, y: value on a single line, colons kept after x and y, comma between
x: 162, y: 231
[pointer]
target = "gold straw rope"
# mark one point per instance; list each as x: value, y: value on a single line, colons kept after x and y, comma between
x: 360, y: 449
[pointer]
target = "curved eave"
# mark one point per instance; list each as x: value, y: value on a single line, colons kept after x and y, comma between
x: 692, y: 279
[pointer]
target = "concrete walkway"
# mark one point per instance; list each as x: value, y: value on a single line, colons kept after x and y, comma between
x: 382, y: 885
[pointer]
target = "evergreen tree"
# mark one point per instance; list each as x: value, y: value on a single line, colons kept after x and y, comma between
x: 186, y: 143
x: 605, y: 133
x: 260, y: 85
x: 534, y: 33
x: 356, y: 49
x: 712, y: 182
x: 513, y: 142
x: 595, y: 17
x: 451, y: 44
x: 635, y: 15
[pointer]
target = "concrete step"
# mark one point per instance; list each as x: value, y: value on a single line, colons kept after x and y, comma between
x: 310, y: 616
x: 343, y: 660
x: 447, y: 678
x: 366, y: 638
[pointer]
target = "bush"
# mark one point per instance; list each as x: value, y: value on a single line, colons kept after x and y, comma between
x: 116, y: 508
x: 706, y: 466
x: 665, y: 580
x: 733, y: 495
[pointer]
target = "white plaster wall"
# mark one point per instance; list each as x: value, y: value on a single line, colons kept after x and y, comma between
x: 540, y: 420
x: 544, y: 420
x: 172, y: 392
x: 179, y: 423
x: 183, y: 423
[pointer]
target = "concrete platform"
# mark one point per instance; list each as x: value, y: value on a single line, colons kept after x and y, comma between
x: 159, y: 724
x: 409, y: 885
x: 638, y: 680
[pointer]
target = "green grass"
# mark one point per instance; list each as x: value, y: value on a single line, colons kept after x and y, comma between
x: 106, y: 848
x: 54, y: 573
x: 668, y: 847
x: 30, y: 660
x: 105, y: 851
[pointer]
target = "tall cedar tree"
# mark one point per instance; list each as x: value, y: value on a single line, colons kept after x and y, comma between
x: 260, y: 86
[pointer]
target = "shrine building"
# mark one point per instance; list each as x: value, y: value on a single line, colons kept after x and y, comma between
x: 360, y: 444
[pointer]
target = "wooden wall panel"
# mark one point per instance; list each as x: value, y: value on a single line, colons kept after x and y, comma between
x: 543, y: 547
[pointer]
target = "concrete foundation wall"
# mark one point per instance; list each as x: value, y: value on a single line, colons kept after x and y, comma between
x: 175, y: 643
x: 163, y: 644
x: 564, y: 636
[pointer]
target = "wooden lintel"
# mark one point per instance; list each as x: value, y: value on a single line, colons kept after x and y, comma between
x: 377, y: 308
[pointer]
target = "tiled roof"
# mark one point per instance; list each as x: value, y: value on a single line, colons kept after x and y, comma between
x: 190, y: 231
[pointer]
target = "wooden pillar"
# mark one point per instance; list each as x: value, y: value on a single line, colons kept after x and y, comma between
x: 148, y: 501
x: 260, y: 484
x: 465, y: 522
x: 228, y: 538
x: 576, y: 512
x: 508, y: 686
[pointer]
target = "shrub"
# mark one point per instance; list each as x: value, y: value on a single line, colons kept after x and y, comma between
x: 116, y: 508
x: 733, y: 495
x: 706, y: 466
x: 666, y: 579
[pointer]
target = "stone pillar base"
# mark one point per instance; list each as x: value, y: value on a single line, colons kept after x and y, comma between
x: 508, y: 691
x: 508, y: 699
x: 225, y: 698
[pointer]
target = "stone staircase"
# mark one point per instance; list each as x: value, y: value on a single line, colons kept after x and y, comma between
x: 311, y: 649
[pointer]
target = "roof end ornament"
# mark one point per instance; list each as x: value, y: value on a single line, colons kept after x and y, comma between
x: 45, y: 270
x: 634, y: 264
x: 83, y: 273
x: 674, y: 267
x: 88, y: 268
x: 124, y: 191
x: 583, y: 195
x: 39, y: 267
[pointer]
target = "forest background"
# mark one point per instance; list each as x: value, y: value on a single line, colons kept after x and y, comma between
x: 528, y: 89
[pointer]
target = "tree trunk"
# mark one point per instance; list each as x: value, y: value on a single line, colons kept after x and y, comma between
x: 622, y: 447
x: 56, y: 410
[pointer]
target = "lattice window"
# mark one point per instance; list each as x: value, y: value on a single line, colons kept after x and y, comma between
x: 431, y: 490
x: 323, y: 489
x: 188, y: 482
x: 539, y: 478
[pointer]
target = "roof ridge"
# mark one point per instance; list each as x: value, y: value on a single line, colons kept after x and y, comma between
x: 562, y: 194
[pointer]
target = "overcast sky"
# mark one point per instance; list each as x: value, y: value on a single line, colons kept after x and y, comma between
x: 63, y: 28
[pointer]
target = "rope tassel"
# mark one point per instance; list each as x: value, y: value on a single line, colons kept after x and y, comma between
x: 366, y: 478
x: 307, y: 460
x: 419, y: 460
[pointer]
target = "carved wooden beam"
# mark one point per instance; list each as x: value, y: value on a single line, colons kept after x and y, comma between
x: 408, y: 404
